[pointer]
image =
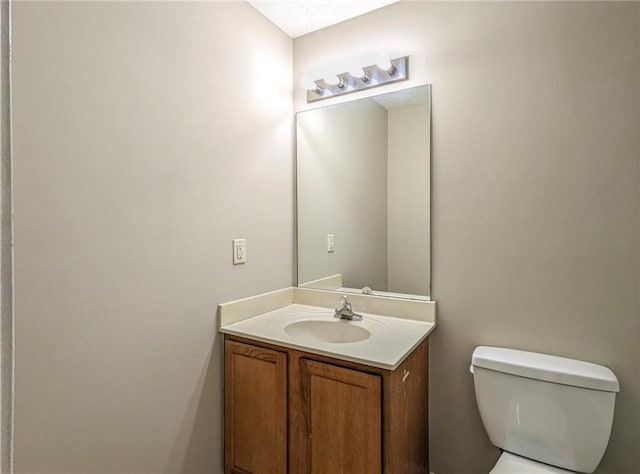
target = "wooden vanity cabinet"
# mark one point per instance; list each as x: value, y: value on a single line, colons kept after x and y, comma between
x: 341, y: 420
x: 255, y: 401
x: 324, y: 415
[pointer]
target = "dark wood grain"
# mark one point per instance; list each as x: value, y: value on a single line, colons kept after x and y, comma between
x: 342, y: 409
x: 405, y: 407
x: 317, y: 410
x: 255, y: 409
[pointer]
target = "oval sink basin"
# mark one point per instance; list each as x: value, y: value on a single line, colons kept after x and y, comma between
x: 326, y: 331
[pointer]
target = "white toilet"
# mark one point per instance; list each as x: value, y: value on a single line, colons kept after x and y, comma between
x: 549, y: 414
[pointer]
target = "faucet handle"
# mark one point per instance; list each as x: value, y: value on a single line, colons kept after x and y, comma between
x: 345, y: 301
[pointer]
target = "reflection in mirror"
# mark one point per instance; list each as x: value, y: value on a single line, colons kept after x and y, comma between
x: 364, y: 195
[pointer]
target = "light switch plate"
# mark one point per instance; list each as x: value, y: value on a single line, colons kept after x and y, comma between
x: 239, y: 251
x: 331, y: 243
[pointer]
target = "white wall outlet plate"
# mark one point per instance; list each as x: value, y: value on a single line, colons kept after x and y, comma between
x: 331, y: 243
x: 239, y: 251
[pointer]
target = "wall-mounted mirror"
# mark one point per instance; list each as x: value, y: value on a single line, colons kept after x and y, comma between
x: 364, y: 187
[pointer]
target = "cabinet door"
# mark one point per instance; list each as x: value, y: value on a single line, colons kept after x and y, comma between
x: 342, y: 411
x: 255, y: 400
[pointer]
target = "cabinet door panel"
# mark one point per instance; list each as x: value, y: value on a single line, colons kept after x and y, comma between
x: 255, y: 409
x: 342, y: 411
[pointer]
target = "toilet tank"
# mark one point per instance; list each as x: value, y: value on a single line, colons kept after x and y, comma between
x: 554, y: 410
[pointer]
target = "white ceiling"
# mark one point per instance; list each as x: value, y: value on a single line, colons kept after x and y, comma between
x: 299, y: 17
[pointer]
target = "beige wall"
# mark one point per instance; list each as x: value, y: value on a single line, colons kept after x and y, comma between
x: 147, y: 136
x: 342, y: 190
x: 535, y: 192
x: 408, y: 197
x: 133, y: 171
x: 6, y: 261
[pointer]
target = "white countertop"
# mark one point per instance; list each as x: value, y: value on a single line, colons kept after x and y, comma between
x: 392, y: 338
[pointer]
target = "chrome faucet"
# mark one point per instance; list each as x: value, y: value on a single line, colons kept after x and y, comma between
x: 346, y: 312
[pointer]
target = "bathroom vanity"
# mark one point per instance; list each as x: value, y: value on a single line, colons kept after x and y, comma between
x: 300, y: 401
x: 306, y: 392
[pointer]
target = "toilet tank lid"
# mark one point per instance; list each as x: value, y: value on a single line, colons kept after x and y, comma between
x: 546, y: 367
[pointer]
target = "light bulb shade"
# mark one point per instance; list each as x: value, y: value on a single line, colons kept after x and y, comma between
x: 333, y: 80
x: 383, y: 71
x: 383, y: 62
x: 357, y: 72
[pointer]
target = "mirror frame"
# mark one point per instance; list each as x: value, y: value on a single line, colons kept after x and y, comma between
x: 345, y: 100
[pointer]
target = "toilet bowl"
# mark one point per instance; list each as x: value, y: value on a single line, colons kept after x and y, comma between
x: 512, y: 464
x: 548, y: 414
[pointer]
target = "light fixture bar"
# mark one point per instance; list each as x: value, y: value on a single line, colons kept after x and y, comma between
x: 372, y: 76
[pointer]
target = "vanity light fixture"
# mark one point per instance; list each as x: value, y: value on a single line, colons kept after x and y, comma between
x: 356, y: 80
